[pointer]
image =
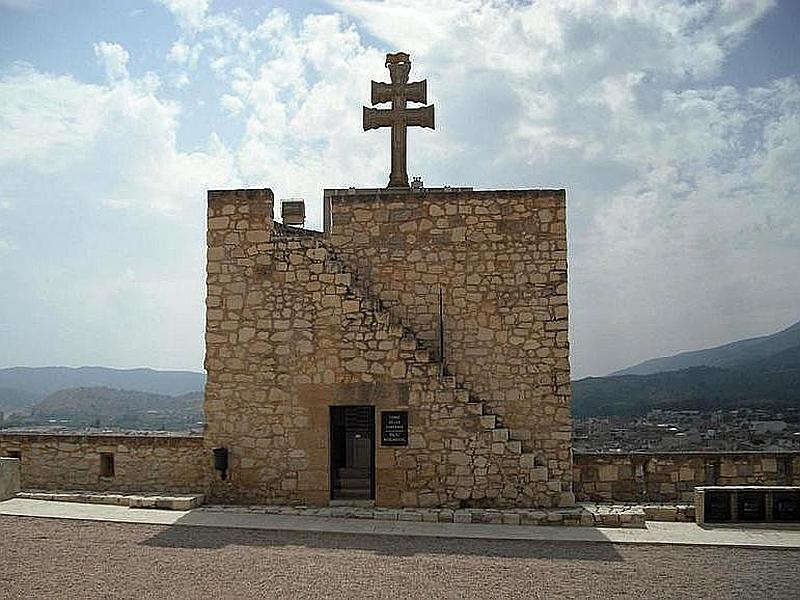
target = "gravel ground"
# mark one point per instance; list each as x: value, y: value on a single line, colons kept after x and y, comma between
x: 49, y: 558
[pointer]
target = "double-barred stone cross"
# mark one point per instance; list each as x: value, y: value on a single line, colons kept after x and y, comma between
x: 399, y: 117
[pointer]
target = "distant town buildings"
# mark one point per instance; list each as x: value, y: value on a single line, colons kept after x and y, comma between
x: 664, y: 430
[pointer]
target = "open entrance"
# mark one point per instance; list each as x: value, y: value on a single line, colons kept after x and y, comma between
x: 352, y: 452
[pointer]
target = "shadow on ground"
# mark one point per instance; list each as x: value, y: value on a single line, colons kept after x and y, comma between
x: 188, y: 537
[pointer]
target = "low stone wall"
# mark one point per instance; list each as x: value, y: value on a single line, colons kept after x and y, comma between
x: 170, y: 463
x: 138, y: 463
x: 671, y: 477
x: 9, y: 477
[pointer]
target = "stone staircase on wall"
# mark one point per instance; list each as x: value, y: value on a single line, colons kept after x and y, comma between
x: 423, y: 365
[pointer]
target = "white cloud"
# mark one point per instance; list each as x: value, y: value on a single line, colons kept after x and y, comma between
x: 607, y: 99
x: 107, y: 192
x: 178, y: 53
x: 121, y: 137
x: 44, y: 119
x: 114, y: 59
x: 682, y: 194
x: 297, y: 88
x: 180, y: 80
x: 189, y: 13
x: 232, y: 104
x: 682, y: 197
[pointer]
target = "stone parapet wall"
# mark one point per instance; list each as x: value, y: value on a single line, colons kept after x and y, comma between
x: 671, y: 477
x: 500, y: 260
x: 142, y: 463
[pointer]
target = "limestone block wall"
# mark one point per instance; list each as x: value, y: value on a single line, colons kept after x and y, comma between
x: 9, y: 477
x: 146, y: 463
x: 500, y: 259
x: 289, y: 333
x: 671, y: 477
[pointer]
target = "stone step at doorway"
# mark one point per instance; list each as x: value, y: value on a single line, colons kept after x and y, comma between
x: 352, y: 473
x: 353, y: 493
x: 353, y: 485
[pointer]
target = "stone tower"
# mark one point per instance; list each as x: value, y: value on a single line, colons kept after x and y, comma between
x: 326, y: 380
x: 414, y: 353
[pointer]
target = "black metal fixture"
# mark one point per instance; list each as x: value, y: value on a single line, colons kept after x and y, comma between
x: 441, y: 333
x: 221, y: 461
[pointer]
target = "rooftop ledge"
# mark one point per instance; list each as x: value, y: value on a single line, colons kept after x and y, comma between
x: 421, y: 191
x: 747, y: 488
x: 680, y: 453
x: 353, y: 191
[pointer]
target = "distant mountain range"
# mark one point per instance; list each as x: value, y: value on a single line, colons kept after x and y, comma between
x: 758, y: 372
x: 108, y: 403
x: 762, y: 372
x: 728, y: 355
x: 40, y: 381
x: 77, y: 397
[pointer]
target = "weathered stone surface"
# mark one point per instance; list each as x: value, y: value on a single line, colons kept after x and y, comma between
x: 672, y: 476
x: 142, y: 463
x: 162, y: 501
x: 500, y: 259
x: 299, y: 322
x: 9, y: 477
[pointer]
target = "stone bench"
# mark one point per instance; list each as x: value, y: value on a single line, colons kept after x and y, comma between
x: 161, y: 500
x: 747, y: 503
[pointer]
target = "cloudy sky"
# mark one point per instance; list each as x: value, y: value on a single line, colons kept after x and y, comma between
x: 674, y: 127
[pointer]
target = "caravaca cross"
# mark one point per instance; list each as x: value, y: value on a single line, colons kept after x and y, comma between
x: 398, y: 117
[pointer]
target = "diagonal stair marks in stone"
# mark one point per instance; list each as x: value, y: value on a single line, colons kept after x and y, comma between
x: 415, y: 353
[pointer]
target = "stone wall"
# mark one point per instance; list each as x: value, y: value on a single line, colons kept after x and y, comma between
x: 9, y: 477
x: 291, y: 331
x: 500, y: 260
x: 146, y: 463
x: 671, y: 477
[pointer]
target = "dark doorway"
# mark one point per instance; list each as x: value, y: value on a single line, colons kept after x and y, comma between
x: 717, y: 507
x: 352, y: 452
x: 752, y: 506
x: 786, y: 506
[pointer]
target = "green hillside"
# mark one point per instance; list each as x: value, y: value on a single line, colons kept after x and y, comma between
x: 108, y: 407
x: 772, y: 381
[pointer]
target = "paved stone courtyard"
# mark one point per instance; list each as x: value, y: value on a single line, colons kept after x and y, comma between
x: 49, y: 558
